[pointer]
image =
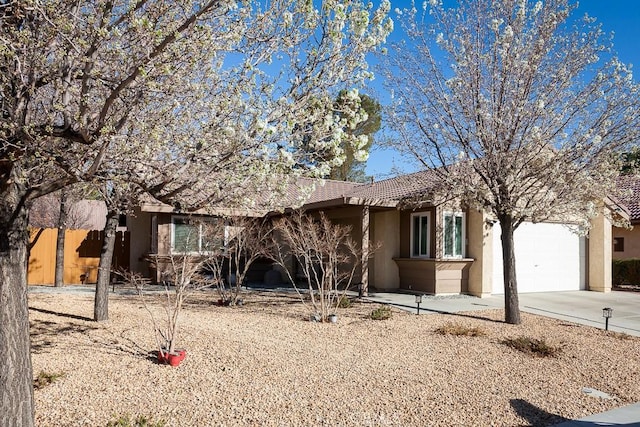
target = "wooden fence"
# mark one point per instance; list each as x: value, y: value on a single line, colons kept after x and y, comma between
x: 81, y: 255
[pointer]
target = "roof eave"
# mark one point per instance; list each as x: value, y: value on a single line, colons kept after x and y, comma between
x: 350, y: 201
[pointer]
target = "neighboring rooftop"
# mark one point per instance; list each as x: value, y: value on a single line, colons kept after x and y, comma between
x: 630, y: 197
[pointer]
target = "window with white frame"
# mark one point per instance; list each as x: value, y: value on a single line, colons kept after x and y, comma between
x: 453, y: 235
x: 420, y: 234
x: 190, y: 235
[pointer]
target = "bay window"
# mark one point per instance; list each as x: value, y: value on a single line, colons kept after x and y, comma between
x: 420, y: 234
x: 453, y: 235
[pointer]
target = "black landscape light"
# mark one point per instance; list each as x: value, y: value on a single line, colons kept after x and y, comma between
x: 607, y: 313
x: 418, y: 301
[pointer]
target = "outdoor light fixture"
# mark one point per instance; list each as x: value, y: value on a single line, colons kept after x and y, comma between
x: 607, y: 313
x: 418, y: 301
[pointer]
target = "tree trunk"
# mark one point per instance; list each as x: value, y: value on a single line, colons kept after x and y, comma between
x: 62, y: 231
x: 16, y: 375
x: 511, y: 303
x: 101, y: 305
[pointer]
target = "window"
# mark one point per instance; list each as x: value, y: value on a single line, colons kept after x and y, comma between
x: 420, y: 234
x: 618, y: 244
x: 453, y: 235
x: 154, y: 234
x: 122, y: 220
x: 189, y: 235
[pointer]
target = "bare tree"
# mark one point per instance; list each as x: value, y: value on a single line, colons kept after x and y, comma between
x: 62, y: 233
x: 184, y: 272
x: 241, y: 242
x: 45, y: 211
x: 325, y: 254
x: 119, y: 200
x: 517, y: 106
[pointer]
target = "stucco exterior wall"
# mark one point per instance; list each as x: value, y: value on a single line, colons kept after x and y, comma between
x: 631, y: 242
x: 600, y: 252
x: 351, y: 217
x: 480, y: 248
x: 434, y: 276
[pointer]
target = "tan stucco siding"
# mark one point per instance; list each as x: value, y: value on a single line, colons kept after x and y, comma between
x: 350, y: 217
x: 164, y: 234
x: 600, y: 252
x: 434, y: 276
x: 452, y: 277
x: 480, y: 248
x: 631, y: 242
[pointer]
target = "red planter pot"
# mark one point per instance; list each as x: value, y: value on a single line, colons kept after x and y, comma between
x: 172, y: 359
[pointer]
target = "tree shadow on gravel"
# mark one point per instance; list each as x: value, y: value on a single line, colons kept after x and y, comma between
x: 448, y: 313
x: 476, y: 317
x: 44, y: 333
x: 534, y: 415
x: 55, y: 313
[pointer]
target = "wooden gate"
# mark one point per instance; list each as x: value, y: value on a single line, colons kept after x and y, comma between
x: 81, y: 255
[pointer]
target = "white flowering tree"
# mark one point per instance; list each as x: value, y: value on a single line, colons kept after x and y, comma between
x: 518, y: 106
x: 353, y: 169
x: 192, y: 100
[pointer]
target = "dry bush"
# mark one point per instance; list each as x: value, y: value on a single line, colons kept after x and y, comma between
x: 45, y: 378
x: 242, y: 242
x: 325, y: 253
x: 139, y: 421
x: 533, y: 346
x: 619, y: 335
x: 460, y: 330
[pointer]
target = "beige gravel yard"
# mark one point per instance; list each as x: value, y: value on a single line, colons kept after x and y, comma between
x: 263, y: 364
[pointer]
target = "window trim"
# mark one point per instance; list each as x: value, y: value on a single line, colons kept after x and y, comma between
x: 463, y: 234
x: 414, y: 215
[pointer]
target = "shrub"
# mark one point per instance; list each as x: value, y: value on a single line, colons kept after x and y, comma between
x: 139, y: 421
x: 532, y: 346
x: 460, y: 330
x: 325, y: 253
x: 45, y: 378
x: 620, y: 335
x: 626, y: 272
x: 344, y: 302
x: 381, y: 313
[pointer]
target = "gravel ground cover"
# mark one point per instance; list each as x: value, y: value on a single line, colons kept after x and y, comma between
x: 264, y: 364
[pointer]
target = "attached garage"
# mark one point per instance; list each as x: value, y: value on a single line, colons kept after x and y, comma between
x: 549, y: 257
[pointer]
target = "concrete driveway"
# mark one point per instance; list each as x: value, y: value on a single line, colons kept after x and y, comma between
x: 582, y: 307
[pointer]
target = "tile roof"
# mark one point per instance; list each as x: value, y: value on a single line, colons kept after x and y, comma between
x: 327, y: 189
x: 388, y: 193
x: 630, y: 197
x: 398, y: 188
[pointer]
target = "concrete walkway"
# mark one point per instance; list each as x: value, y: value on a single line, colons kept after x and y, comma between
x: 627, y: 416
x: 575, y: 306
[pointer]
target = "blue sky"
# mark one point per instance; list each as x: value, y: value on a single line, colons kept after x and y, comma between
x: 620, y: 16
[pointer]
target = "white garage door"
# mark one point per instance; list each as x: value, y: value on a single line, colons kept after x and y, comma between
x: 549, y: 257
